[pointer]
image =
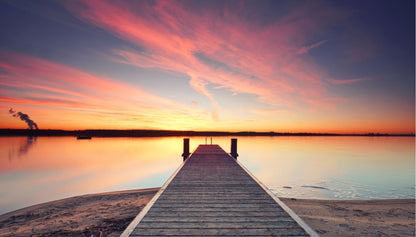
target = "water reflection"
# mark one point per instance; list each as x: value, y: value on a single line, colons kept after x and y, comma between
x: 23, y: 148
x: 334, y: 167
x: 61, y: 167
x: 303, y: 167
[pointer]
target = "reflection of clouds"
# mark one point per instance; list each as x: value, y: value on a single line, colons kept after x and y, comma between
x: 350, y: 168
x: 23, y: 148
x: 108, y: 153
x: 62, y: 167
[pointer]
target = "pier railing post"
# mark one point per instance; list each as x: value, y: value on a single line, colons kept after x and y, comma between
x: 185, y: 153
x: 234, y: 148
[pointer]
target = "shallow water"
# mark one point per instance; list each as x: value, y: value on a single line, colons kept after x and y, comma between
x: 35, y: 170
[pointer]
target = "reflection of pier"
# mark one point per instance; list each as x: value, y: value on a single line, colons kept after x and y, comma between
x: 211, y: 194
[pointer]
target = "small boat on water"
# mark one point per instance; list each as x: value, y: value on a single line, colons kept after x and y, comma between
x: 83, y: 137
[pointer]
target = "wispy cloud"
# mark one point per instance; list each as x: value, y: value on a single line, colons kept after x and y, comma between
x: 273, y: 112
x: 219, y: 47
x: 349, y: 81
x: 30, y: 81
x: 306, y: 49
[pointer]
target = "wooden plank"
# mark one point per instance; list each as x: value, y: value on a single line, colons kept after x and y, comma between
x: 215, y: 209
x: 214, y: 201
x: 218, y: 231
x: 206, y: 235
x: 216, y: 214
x: 235, y: 219
x: 255, y: 206
x: 213, y: 195
x: 219, y: 225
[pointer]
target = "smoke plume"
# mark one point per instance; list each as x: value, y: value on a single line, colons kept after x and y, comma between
x: 24, y: 117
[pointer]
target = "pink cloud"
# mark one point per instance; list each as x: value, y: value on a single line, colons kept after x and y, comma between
x: 195, y: 103
x: 32, y: 81
x: 349, y: 81
x: 219, y: 47
x: 273, y: 112
x: 306, y: 49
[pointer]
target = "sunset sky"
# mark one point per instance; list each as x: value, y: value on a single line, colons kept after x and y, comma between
x: 283, y: 66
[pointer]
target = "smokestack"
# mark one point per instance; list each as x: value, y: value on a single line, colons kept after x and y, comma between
x: 24, y: 117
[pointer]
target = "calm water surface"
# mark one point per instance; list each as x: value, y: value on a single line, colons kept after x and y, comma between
x: 36, y: 170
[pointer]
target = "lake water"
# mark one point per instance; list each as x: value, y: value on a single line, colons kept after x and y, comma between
x: 36, y: 170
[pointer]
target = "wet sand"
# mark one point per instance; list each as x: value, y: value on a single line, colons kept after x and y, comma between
x: 108, y: 214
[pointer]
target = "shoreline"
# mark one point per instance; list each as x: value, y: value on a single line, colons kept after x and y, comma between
x: 175, y: 133
x: 109, y: 213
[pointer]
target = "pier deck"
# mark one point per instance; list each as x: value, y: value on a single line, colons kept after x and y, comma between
x: 211, y: 194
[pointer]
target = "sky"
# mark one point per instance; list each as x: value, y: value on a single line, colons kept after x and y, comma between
x: 283, y: 66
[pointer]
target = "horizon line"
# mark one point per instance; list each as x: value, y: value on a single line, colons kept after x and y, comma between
x: 164, y: 132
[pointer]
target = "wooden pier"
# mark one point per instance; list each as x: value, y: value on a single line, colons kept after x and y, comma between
x: 212, y: 194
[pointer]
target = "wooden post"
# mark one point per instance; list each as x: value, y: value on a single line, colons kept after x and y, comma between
x: 234, y: 148
x: 185, y: 153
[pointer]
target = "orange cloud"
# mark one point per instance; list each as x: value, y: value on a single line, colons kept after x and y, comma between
x: 70, y: 93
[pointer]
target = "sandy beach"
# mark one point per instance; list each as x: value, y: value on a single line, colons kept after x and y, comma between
x: 104, y: 214
x: 108, y: 214
x: 391, y: 217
